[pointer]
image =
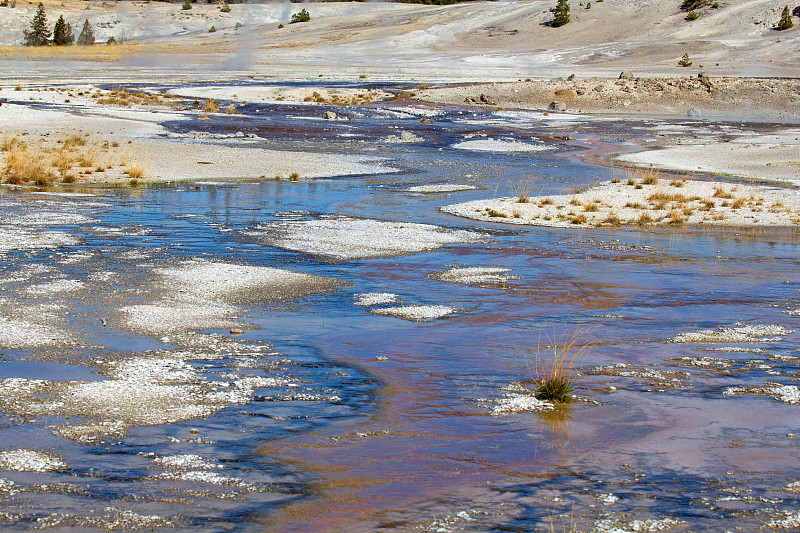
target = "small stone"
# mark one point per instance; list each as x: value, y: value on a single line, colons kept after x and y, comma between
x: 571, y: 77
x: 194, y: 431
x: 408, y: 137
x: 557, y: 105
x: 626, y: 75
x: 694, y: 113
x: 330, y: 115
x: 237, y: 331
x: 381, y: 358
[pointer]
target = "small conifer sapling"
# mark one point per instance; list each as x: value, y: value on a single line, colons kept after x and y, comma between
x: 786, y: 20
x: 39, y: 35
x: 62, y: 32
x: 560, y: 14
x: 86, y: 38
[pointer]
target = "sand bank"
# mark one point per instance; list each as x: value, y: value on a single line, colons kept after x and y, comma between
x: 647, y: 201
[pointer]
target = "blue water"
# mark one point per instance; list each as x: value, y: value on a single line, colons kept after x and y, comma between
x: 409, y: 443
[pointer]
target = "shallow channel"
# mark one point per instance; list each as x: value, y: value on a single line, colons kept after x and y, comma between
x: 328, y: 414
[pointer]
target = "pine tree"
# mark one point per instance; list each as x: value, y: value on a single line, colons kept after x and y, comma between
x: 560, y: 13
x: 786, y: 20
x: 39, y: 34
x: 62, y: 33
x: 86, y: 38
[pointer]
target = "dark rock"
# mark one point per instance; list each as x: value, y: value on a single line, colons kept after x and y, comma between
x: 557, y: 105
x: 330, y: 115
x: 486, y: 100
x: 571, y: 77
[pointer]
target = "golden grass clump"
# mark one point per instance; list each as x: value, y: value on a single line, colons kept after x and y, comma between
x: 644, y: 219
x: 719, y: 192
x: 102, y: 54
x: 578, y: 219
x: 24, y: 165
x: 135, y: 171
x: 211, y: 106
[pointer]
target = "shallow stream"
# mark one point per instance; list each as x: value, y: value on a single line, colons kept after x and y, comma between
x: 330, y: 413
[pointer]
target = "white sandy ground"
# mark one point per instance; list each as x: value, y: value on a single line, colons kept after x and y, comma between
x: 739, y: 333
x: 345, y: 239
x: 650, y: 525
x: 634, y: 203
x: 500, y: 145
x: 474, y: 275
x: 516, y: 398
x: 469, y: 41
x: 416, y: 313
x: 26, y: 460
x: 142, y: 141
x: 273, y: 94
x: 370, y: 299
x: 16, y: 239
x: 774, y: 157
x: 148, y: 389
x: 440, y: 188
x: 778, y: 392
x: 204, y: 295
x: 32, y: 326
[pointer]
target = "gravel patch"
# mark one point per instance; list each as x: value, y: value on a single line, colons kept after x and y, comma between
x: 474, y: 275
x: 516, y: 399
x: 25, y: 460
x: 17, y: 239
x: 55, y: 287
x: 186, y: 462
x: 141, y: 391
x: 205, y: 295
x: 418, y: 313
x: 738, y: 334
x: 15, y: 333
x: 441, y: 188
x: 781, y: 393
x: 344, y: 239
x: 369, y: 299
x: 499, y: 145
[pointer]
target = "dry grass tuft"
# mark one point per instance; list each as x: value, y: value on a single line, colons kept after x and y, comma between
x: 211, y: 106
x: 719, y: 192
x: 556, y: 379
x: 644, y: 219
x: 135, y: 171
